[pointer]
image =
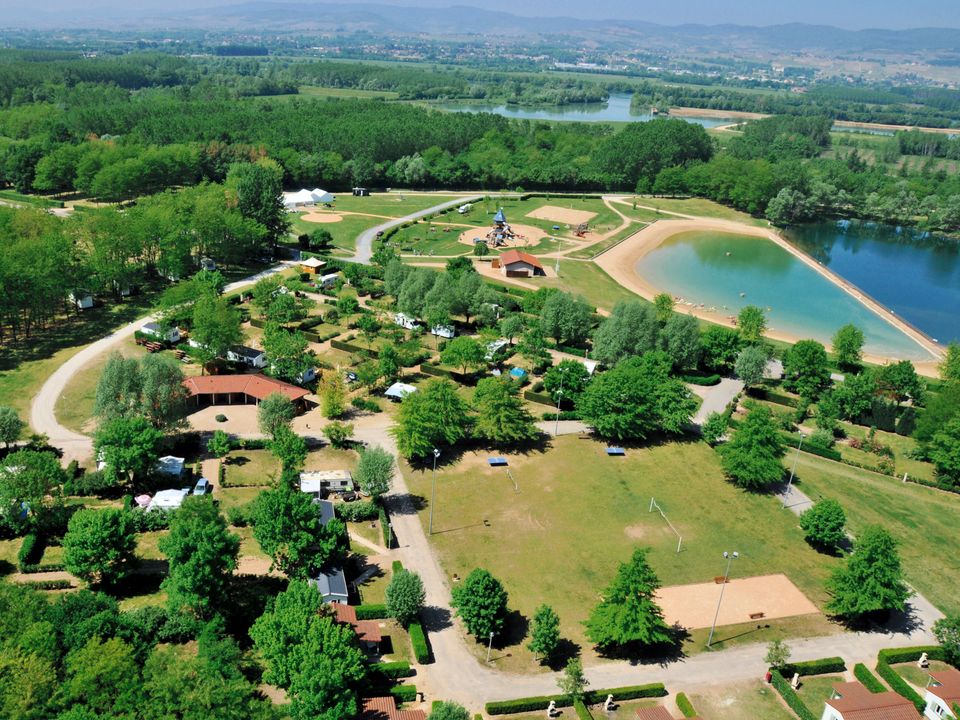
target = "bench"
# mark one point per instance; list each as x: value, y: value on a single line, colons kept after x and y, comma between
x: 756, y: 616
x: 584, y: 436
x: 720, y: 580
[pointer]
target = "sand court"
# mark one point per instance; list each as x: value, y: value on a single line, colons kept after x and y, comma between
x: 317, y: 217
x: 562, y: 215
x: 693, y: 606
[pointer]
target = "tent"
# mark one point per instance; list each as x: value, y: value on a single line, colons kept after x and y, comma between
x: 321, y: 196
x: 398, y: 391
x: 301, y: 197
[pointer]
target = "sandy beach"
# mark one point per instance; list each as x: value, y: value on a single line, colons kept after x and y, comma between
x: 619, y: 262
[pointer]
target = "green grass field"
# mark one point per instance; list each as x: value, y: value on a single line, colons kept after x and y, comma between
x: 251, y: 467
x: 579, y: 513
x: 919, y: 677
x: 482, y: 212
x: 587, y: 279
x: 700, y: 208
x: 737, y: 702
x: 592, y: 251
x: 922, y: 519
x: 815, y: 690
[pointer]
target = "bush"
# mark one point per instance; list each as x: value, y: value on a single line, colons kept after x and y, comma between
x: 404, y: 693
x: 532, y: 704
x: 365, y: 404
x: 790, y: 697
x: 705, y: 380
x: 91, y: 483
x: 385, y: 527
x: 49, y: 584
x: 30, y: 552
x: 581, y: 710
x: 394, y: 670
x: 564, y: 415
x: 372, y: 612
x: 357, y: 511
x: 221, y: 417
x: 421, y: 646
x: 143, y: 521
x: 886, y: 658
x: 241, y: 515
x: 869, y: 680
x: 823, y: 666
x: 685, y: 706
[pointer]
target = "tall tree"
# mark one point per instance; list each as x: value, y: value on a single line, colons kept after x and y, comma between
x: 201, y: 554
x: 216, y: 327
x: 566, y: 318
x: 10, y: 425
x: 950, y: 365
x: 663, y: 305
x: 871, y: 583
x: 288, y: 351
x: 824, y: 524
x: 719, y: 348
x: 374, y: 471
x: 573, y: 683
x: 944, y: 452
x: 274, y: 412
x: 628, y: 613
x: 681, y: 340
x: 752, y: 458
x: 100, y: 545
x: 333, y: 394
x: 481, y: 602
x: 103, y: 676
x: 327, y: 684
x: 259, y: 189
x: 848, y: 347
x: 464, y: 353
x: 29, y: 480
x: 502, y: 418
x: 545, y: 635
x: 751, y: 323
x: 118, y: 389
x: 434, y: 415
x: 129, y: 446
x: 806, y: 370
x: 278, y: 633
x: 405, y: 596
x: 751, y: 364
x: 163, y: 397
x: 900, y: 381
x: 289, y: 448
x: 631, y: 329
x: 569, y: 376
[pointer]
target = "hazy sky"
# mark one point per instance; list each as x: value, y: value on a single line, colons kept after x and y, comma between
x: 854, y: 14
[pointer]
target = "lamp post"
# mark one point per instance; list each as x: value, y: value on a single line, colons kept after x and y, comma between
x: 489, y: 646
x: 730, y: 557
x: 793, y: 470
x: 433, y: 493
x: 556, y: 426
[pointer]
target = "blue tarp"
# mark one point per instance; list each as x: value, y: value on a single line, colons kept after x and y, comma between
x: 616, y: 451
x: 497, y: 461
x: 518, y: 373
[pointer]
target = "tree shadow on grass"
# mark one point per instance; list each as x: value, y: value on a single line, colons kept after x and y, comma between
x: 515, y: 629
x: 662, y: 654
x: 565, y: 651
x: 139, y: 584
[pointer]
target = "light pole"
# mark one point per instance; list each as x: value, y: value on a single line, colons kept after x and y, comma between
x: 793, y: 470
x: 730, y: 558
x: 489, y: 645
x: 433, y: 493
x: 556, y: 427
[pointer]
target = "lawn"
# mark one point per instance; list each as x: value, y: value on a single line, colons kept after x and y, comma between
x: 251, y: 467
x: 313, y: 91
x: 922, y: 519
x: 919, y: 677
x: 700, y: 208
x: 517, y: 211
x: 344, y: 233
x: 430, y: 239
x: 587, y: 279
x: 815, y: 690
x: 592, y: 251
x: 736, y: 702
x: 560, y: 538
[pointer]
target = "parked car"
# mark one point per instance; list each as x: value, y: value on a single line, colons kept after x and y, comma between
x: 351, y: 377
x: 349, y: 496
x: 202, y: 487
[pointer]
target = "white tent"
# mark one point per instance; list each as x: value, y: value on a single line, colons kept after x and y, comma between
x: 168, y: 499
x: 398, y: 391
x: 321, y: 196
x: 301, y: 197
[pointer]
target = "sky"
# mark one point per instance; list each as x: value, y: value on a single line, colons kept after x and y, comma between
x: 851, y: 14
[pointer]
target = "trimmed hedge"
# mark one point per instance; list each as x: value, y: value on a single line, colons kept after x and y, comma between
x: 394, y: 670
x: 421, y: 646
x: 869, y: 680
x: 387, y: 531
x: 372, y: 612
x: 30, y: 552
x: 404, y: 693
x: 397, y: 566
x: 705, y: 380
x: 899, y: 685
x: 886, y: 658
x: 790, y: 696
x: 564, y: 415
x: 49, y: 584
x: 911, y: 654
x: 582, y: 711
x: 532, y: 704
x: 541, y: 398
x: 685, y: 706
x: 42, y: 567
x: 357, y: 511
x: 350, y: 348
x: 823, y: 666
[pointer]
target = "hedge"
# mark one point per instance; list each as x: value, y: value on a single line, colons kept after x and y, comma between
x: 869, y: 680
x: 49, y: 584
x: 30, y: 552
x: 421, y: 646
x: 532, y: 704
x: 385, y: 527
x: 357, y: 511
x: 397, y: 566
x: 886, y: 658
x: 34, y: 568
x: 538, y: 398
x: 582, y: 711
x: 350, y: 348
x: 899, y: 685
x: 258, y: 323
x: 404, y: 693
x: 394, y: 670
x: 372, y: 612
x: 790, y: 697
x: 814, y: 667
x: 685, y: 706
x: 705, y: 380
x: 564, y: 415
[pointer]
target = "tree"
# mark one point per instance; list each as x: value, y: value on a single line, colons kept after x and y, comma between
x: 511, y: 326
x: 944, y: 452
x: 30, y: 480
x: 103, y: 676
x: 950, y: 365
x: 129, y: 446
x: 947, y: 632
x: 751, y: 364
x: 663, y: 306
x: 100, y: 546
x: 566, y: 318
x: 449, y: 710
x: 434, y: 415
x: 824, y: 524
x: 752, y: 458
x: 855, y: 395
x: 628, y: 614
x: 871, y: 583
x: 900, y: 381
x: 287, y: 526
x: 463, y: 352
x: 573, y: 683
x: 805, y: 367
x: 714, y: 428
x: 481, y: 602
x: 274, y: 412
x: 405, y: 596
x: 637, y: 398
x: 778, y: 653
x: 216, y: 327
x: 941, y: 409
x: 259, y: 189
x: 332, y: 671
x: 719, y: 348
x: 163, y: 397
x: 10, y: 425
x: 570, y: 376
x: 319, y: 239
x: 338, y: 433
x: 333, y: 394
x: 118, y: 389
x: 374, y: 471
x: 752, y: 323
x: 789, y: 206
x: 220, y: 444
x: 502, y: 418
x: 848, y: 347
x: 631, y: 329
x: 201, y: 554
x: 288, y: 351
x: 388, y: 364
x: 545, y: 635
x: 289, y: 448
x: 681, y: 340
x: 279, y: 632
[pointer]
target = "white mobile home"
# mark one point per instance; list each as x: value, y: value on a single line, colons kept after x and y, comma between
x: 249, y: 356
x: 408, y: 323
x: 320, y: 482
x: 155, y: 329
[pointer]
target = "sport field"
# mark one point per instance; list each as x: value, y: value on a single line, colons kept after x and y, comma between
x: 517, y: 211
x: 924, y: 520
x: 736, y: 702
x: 579, y: 513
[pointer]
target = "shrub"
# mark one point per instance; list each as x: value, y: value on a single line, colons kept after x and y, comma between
x: 240, y: 515
x: 365, y: 404
x: 532, y: 704
x: 404, y: 693
x: 869, y: 680
x: 49, y: 584
x: 143, y: 521
x: 30, y: 552
x: 372, y: 612
x: 385, y: 527
x: 357, y: 511
x: 421, y: 646
x: 790, y: 697
x: 685, y: 706
x: 564, y: 415
x: 705, y: 380
x: 91, y: 483
x: 814, y: 667
x: 581, y: 710
x: 221, y: 417
x: 394, y: 670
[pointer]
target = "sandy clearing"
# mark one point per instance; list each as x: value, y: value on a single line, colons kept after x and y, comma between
x: 704, y: 112
x: 694, y: 606
x: 619, y: 262
x: 561, y: 214
x: 316, y: 217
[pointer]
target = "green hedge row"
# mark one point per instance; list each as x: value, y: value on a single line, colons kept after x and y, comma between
x: 564, y: 415
x: 385, y: 528
x: 899, y: 685
x: 533, y: 704
x: 258, y: 323
x: 869, y: 680
x: 582, y: 711
x: 792, y: 439
x: 350, y: 348
x: 886, y: 658
x: 30, y: 552
x: 705, y: 380
x: 49, y: 584
x: 42, y: 567
x: 421, y: 646
x: 790, y: 697
x: 541, y: 398
x: 823, y: 666
x: 685, y: 706
x: 372, y: 612
x: 404, y: 693
x: 911, y: 654
x: 394, y: 670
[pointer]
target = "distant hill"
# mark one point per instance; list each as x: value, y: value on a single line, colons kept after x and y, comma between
x: 306, y: 17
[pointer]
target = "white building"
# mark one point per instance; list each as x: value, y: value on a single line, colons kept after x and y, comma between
x: 168, y: 499
x: 495, y: 348
x: 155, y: 329
x: 320, y: 482
x: 249, y: 356
x: 322, y: 196
x: 328, y: 281
x: 332, y: 586
x: 83, y: 299
x: 444, y: 331
x: 943, y: 693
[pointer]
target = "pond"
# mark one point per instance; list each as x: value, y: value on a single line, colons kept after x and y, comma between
x: 616, y: 109
x: 726, y: 272
x: 915, y: 274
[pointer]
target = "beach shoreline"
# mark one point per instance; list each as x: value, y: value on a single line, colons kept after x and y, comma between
x: 620, y: 261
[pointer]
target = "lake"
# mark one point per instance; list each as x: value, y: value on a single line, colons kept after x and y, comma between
x: 714, y: 268
x: 914, y: 274
x: 616, y: 109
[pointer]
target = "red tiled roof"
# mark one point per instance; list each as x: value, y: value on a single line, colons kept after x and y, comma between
x: 858, y: 703
x: 255, y: 385
x: 367, y: 630
x: 385, y: 708
x: 514, y: 256
x: 344, y: 613
x: 947, y: 687
x: 658, y: 712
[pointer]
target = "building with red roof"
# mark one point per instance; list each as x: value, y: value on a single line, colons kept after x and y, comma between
x: 385, y: 708
x: 515, y: 263
x: 241, y: 390
x: 852, y: 701
x: 943, y: 694
x: 368, y: 631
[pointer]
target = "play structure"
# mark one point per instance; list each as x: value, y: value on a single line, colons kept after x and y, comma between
x: 501, y: 232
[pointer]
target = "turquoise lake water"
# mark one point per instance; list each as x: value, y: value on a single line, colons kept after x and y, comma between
x: 617, y: 109
x: 715, y: 268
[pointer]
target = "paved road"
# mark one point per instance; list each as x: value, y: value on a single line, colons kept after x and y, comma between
x: 715, y: 398
x: 43, y: 416
x: 365, y: 239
